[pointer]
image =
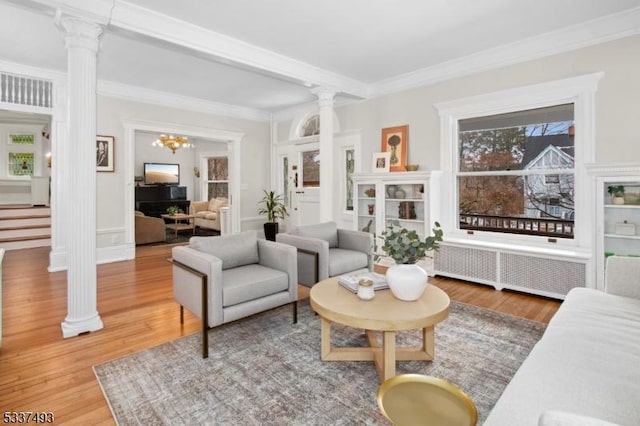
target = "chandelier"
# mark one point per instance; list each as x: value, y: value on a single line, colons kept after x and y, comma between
x: 173, y: 142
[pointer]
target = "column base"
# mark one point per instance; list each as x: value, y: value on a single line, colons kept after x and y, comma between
x: 71, y: 328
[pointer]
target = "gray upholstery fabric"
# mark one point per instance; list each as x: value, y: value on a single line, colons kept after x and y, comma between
x: 269, y: 282
x: 251, y: 282
x: 342, y: 261
x: 622, y: 276
x: 353, y: 246
x: 234, y: 249
x: 327, y: 231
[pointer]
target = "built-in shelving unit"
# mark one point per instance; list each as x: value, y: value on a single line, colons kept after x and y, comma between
x: 403, y: 196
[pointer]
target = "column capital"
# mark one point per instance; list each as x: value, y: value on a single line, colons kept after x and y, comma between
x: 80, y: 32
x: 325, y: 96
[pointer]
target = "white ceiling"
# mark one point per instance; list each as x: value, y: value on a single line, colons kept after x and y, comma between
x: 265, y: 55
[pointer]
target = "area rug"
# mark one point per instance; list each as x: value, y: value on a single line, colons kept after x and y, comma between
x: 264, y: 370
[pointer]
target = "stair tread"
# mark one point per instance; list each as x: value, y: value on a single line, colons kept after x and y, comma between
x: 31, y: 216
x: 26, y: 238
x: 22, y: 228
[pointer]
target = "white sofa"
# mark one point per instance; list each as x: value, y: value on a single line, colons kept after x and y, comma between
x: 586, y: 368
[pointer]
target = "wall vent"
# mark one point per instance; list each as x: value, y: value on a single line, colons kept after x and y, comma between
x: 462, y: 262
x: 23, y: 90
x: 541, y: 274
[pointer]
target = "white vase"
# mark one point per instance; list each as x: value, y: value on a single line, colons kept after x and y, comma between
x: 407, y: 282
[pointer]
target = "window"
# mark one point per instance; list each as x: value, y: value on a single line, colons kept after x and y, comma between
x: 503, y: 186
x: 349, y: 165
x: 217, y: 177
x: 518, y: 165
x: 311, y: 168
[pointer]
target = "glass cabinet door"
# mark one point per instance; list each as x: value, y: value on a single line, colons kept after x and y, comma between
x: 404, y: 202
x: 366, y: 207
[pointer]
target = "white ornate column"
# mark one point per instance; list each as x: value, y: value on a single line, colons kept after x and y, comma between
x: 327, y: 181
x: 82, y: 41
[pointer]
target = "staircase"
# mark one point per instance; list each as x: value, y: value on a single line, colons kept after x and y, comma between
x: 24, y: 227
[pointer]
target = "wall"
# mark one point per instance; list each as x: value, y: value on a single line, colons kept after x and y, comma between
x: 617, y: 104
x: 254, y: 154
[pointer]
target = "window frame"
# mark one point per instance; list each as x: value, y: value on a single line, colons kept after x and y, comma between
x: 577, y: 90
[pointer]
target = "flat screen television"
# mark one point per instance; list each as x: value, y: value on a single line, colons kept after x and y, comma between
x: 161, y: 174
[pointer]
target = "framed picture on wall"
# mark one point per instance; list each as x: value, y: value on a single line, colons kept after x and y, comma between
x: 395, y: 141
x: 380, y: 162
x: 104, y: 153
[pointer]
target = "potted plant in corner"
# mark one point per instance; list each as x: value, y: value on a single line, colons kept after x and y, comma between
x: 407, y: 280
x: 272, y: 206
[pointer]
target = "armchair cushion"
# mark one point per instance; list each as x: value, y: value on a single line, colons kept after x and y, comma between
x: 251, y: 282
x: 327, y: 231
x: 342, y: 261
x: 234, y: 249
x: 216, y: 203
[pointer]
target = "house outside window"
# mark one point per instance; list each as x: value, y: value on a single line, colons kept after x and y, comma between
x: 516, y: 172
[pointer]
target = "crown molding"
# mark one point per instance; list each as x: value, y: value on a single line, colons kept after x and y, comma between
x: 575, y: 37
x: 171, y: 100
x: 226, y: 49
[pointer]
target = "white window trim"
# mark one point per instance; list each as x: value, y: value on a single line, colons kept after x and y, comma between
x: 577, y: 90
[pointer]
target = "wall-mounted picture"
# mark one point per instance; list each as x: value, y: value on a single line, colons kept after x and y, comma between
x: 380, y: 162
x: 395, y: 142
x: 104, y: 153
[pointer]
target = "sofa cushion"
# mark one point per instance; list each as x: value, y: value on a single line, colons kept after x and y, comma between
x: 251, y: 282
x: 202, y: 214
x: 327, y: 231
x: 342, y: 261
x: 211, y: 215
x: 234, y: 249
x: 561, y: 418
x: 216, y: 203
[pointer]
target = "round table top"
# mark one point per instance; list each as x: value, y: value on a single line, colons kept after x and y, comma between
x: 384, y: 312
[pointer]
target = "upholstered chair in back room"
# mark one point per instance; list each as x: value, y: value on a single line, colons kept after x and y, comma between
x: 326, y: 251
x: 225, y: 278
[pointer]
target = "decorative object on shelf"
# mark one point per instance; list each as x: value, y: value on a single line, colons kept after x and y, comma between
x: 625, y: 228
x: 407, y: 280
x: 406, y: 210
x: 418, y: 191
x: 173, y: 142
x: 380, y: 162
x: 367, y: 228
x: 400, y: 193
x: 371, y: 208
x: 365, y: 289
x: 391, y: 191
x: 411, y: 167
x: 273, y: 207
x: 172, y: 210
x: 371, y: 192
x: 617, y: 194
x: 395, y: 141
x: 138, y: 179
x: 104, y: 153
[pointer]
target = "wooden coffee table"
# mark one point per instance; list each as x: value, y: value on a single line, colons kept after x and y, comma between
x: 384, y: 314
x: 181, y: 222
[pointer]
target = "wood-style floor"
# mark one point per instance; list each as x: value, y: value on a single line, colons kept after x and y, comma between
x: 41, y: 371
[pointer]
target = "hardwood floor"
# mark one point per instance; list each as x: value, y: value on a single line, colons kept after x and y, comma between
x: 41, y: 371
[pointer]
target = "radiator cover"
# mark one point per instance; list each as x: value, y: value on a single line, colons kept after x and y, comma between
x: 531, y: 273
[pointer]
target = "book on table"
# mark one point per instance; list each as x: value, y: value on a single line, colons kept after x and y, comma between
x: 350, y: 281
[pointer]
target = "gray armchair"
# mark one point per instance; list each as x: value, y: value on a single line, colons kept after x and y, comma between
x: 222, y: 279
x: 325, y: 251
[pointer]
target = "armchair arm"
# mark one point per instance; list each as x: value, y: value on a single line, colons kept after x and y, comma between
x: 186, y: 286
x: 359, y: 241
x: 622, y: 276
x: 308, y: 244
x: 283, y: 258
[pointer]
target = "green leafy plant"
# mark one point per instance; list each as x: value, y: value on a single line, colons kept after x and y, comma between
x: 272, y: 206
x: 405, y: 246
x: 174, y: 210
x: 616, y: 190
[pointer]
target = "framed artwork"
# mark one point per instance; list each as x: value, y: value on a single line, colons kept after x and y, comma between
x: 380, y: 162
x: 395, y: 141
x: 104, y: 153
